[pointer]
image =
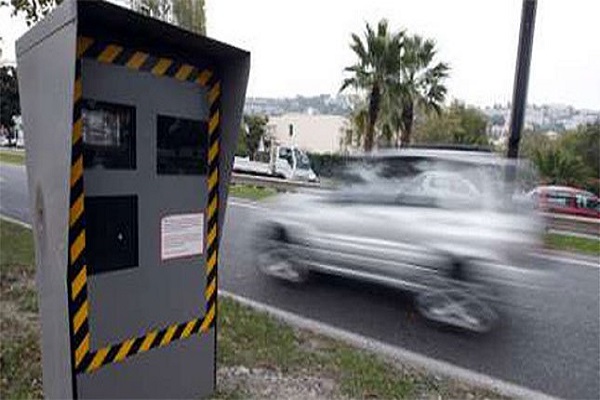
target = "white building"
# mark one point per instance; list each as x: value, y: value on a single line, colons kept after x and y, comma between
x: 315, y: 133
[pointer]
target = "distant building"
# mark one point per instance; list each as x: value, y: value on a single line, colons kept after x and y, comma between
x: 314, y: 133
x: 552, y: 135
x: 542, y: 118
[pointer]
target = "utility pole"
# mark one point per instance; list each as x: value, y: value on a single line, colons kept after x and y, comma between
x: 519, y: 100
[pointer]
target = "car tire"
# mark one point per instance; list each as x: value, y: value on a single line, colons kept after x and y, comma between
x: 456, y: 308
x: 274, y: 259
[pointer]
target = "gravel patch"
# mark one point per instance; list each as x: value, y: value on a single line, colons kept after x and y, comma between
x: 261, y: 383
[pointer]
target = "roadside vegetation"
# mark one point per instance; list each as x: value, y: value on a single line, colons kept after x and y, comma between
x: 250, y: 191
x: 572, y: 244
x: 258, y: 357
x: 188, y: 14
x: 573, y: 159
x: 20, y: 369
x: 12, y: 157
x: 261, y: 343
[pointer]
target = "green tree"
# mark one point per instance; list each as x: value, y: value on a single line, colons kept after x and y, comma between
x: 585, y: 142
x: 256, y: 130
x: 571, y: 159
x: 33, y: 10
x: 557, y: 166
x: 188, y: 14
x: 420, y: 84
x: 376, y: 70
x: 159, y: 9
x: 457, y: 124
x: 9, y: 98
x: 355, y: 126
x: 241, y: 148
x: 530, y: 142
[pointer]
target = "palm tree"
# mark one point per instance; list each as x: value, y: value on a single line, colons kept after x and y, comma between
x: 376, y: 70
x: 420, y: 84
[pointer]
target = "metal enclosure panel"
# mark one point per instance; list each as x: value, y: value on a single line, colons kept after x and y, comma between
x: 155, y: 293
x: 175, y: 377
x: 46, y: 87
x: 62, y: 15
x: 234, y: 80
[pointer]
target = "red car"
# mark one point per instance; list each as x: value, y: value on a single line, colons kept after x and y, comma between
x: 566, y: 200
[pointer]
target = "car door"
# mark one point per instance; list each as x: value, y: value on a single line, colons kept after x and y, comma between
x: 367, y: 235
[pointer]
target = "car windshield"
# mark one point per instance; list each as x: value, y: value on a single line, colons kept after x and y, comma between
x: 428, y: 182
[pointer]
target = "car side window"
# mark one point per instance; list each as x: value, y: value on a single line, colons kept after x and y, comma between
x: 584, y: 201
x: 558, y: 198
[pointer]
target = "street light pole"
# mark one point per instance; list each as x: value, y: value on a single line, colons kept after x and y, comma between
x: 519, y: 100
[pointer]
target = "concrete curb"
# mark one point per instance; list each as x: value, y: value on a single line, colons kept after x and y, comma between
x: 15, y: 221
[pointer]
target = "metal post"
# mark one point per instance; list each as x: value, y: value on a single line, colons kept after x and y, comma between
x: 521, y: 76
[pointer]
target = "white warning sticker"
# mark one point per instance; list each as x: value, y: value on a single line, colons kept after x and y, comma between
x: 181, y: 235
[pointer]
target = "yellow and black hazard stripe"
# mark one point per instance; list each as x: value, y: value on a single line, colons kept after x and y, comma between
x: 212, y: 211
x: 155, y: 338
x: 84, y: 360
x: 77, y: 269
x: 110, y: 53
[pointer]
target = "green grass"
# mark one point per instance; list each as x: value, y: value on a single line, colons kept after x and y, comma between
x: 16, y: 243
x: 12, y: 157
x: 245, y: 338
x: 256, y: 340
x: 20, y: 368
x: 251, y: 192
x: 20, y: 358
x: 17, y: 268
x: 572, y: 243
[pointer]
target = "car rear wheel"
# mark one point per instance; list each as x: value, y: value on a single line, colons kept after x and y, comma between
x: 275, y: 260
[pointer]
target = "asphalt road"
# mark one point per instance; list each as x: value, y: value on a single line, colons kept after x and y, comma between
x: 13, y: 192
x: 548, y: 339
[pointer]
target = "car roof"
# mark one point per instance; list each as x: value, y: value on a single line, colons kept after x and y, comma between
x: 458, y: 155
x: 563, y: 189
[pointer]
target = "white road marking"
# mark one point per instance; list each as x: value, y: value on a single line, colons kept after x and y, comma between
x: 245, y: 204
x: 571, y: 261
x: 397, y: 354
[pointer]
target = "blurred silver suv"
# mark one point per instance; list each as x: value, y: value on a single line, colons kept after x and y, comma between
x: 443, y: 224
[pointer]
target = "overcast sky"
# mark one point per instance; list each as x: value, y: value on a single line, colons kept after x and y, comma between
x: 301, y: 47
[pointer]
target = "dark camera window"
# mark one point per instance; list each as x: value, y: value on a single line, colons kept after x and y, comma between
x: 112, y: 233
x: 181, y: 146
x: 108, y: 135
